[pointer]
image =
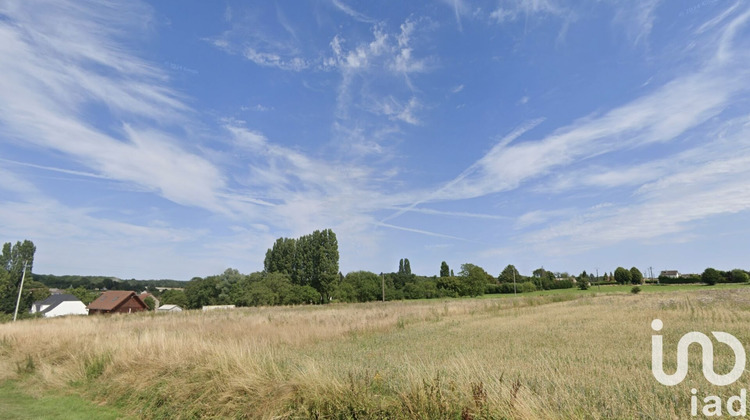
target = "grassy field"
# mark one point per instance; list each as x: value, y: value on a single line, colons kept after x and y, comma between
x: 19, y: 404
x: 568, y: 355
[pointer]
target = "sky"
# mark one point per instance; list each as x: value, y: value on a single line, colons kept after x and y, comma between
x: 175, y: 139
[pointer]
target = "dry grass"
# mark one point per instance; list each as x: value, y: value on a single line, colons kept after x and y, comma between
x: 522, y: 358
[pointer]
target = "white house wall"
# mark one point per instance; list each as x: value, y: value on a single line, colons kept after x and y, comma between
x: 68, y: 308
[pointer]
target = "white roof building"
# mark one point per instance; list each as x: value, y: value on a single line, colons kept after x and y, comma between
x: 169, y: 308
x: 59, y: 305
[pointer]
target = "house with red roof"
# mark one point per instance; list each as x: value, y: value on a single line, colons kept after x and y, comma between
x: 117, y: 301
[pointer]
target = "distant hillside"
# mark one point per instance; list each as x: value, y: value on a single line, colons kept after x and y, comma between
x: 103, y: 282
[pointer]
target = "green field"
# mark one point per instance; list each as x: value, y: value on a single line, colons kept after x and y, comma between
x: 19, y: 404
x: 648, y: 288
x: 547, y: 355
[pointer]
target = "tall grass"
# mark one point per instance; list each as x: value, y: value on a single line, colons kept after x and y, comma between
x: 557, y: 357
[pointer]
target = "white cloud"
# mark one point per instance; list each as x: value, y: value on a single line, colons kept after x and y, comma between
x: 396, y: 110
x: 257, y: 108
x: 274, y: 60
x: 51, y: 74
x: 460, y: 8
x: 513, y: 9
x: 637, y: 18
x: 661, y: 116
x: 250, y: 37
x: 340, y: 5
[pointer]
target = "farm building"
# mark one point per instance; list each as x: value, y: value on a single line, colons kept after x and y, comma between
x: 117, y: 301
x: 59, y: 305
x: 169, y: 308
x: 217, y: 307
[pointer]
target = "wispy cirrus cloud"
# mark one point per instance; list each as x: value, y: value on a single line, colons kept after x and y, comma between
x: 669, y: 195
x: 45, y: 96
x: 711, y: 175
x: 342, y: 6
x: 661, y: 116
x: 388, y: 57
x: 514, y: 9
x: 259, y: 40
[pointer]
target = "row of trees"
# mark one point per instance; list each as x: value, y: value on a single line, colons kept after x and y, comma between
x: 311, y: 260
x: 103, y: 283
x: 713, y: 276
x: 305, y: 270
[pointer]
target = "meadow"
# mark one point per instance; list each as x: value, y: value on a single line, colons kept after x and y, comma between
x: 545, y: 356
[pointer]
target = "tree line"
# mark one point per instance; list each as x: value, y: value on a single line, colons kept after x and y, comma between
x: 305, y: 270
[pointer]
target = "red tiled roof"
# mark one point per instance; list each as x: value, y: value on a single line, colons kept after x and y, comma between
x: 110, y: 300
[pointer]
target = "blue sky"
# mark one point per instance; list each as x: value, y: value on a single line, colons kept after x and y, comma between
x: 178, y: 138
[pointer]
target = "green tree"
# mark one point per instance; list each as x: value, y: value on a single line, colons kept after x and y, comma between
x: 86, y: 296
x: 710, y: 276
x: 404, y: 267
x: 450, y: 286
x: 150, y: 303
x: 325, y: 260
x: 365, y: 285
x: 635, y: 276
x: 622, y: 275
x: 583, y: 280
x: 739, y: 276
x: 311, y: 260
x: 508, y: 275
x: 444, y: 270
x: 173, y: 297
x: 281, y: 257
x: 201, y: 292
x: 300, y: 295
x: 12, y: 260
x: 473, y: 280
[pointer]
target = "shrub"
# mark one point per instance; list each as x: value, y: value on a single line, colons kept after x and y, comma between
x: 683, y: 279
x: 562, y: 284
x: 635, y: 290
x: 583, y: 284
x: 491, y: 289
x: 711, y: 276
x: 508, y: 288
x: 526, y: 287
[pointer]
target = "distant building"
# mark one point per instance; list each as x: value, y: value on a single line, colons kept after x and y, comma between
x: 59, y: 305
x: 161, y: 289
x: 673, y: 274
x: 169, y: 308
x: 215, y: 307
x: 117, y: 301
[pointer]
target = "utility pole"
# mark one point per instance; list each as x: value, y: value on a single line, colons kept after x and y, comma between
x: 382, y: 284
x: 20, y: 289
x: 598, y: 280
